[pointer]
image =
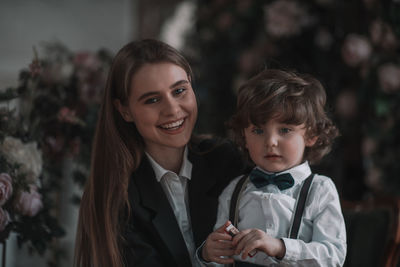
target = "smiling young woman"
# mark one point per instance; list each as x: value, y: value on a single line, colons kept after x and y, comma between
x: 153, y: 189
x: 163, y: 107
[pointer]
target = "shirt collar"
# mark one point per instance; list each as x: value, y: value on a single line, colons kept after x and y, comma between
x: 299, y: 172
x: 159, y: 171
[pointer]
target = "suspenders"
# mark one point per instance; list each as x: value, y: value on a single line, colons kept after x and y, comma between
x: 301, y: 201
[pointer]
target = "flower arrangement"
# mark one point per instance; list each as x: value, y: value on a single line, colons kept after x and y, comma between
x: 351, y: 46
x: 53, y: 120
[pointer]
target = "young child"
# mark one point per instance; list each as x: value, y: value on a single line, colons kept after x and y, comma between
x: 281, y: 122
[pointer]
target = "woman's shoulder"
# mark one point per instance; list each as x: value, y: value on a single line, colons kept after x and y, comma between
x: 212, y: 146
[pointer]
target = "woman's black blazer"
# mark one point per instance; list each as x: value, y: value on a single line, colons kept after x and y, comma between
x: 153, y: 237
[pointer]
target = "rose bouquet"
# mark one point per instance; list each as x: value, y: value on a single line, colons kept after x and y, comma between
x: 53, y: 121
x: 24, y: 209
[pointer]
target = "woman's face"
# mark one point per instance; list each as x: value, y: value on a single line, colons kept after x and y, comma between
x: 162, y: 105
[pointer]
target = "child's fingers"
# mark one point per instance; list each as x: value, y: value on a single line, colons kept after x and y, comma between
x: 239, y: 236
x: 221, y: 229
x: 220, y: 236
x: 250, y: 236
x: 251, y: 244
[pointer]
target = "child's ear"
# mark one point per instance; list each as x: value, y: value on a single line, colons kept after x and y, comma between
x: 123, y: 110
x: 311, y: 141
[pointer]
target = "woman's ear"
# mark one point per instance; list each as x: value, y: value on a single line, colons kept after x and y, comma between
x: 311, y: 141
x: 123, y: 110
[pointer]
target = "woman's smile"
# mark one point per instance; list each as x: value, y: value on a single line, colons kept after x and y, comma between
x: 173, y: 127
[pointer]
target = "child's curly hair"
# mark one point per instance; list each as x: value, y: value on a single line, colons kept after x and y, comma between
x: 291, y: 98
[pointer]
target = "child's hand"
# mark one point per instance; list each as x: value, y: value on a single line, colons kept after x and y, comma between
x: 218, y: 244
x: 250, y: 239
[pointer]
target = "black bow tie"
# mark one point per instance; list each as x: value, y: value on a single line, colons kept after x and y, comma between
x: 260, y: 179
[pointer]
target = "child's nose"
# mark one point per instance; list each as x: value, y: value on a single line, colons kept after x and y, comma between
x: 271, y: 139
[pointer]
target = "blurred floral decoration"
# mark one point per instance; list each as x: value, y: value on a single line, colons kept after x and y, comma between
x: 48, y: 119
x: 352, y: 46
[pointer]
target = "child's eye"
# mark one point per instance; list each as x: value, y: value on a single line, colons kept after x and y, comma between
x: 284, y: 130
x: 152, y: 100
x: 179, y: 91
x: 258, y: 131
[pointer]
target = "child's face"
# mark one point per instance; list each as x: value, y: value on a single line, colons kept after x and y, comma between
x: 277, y: 146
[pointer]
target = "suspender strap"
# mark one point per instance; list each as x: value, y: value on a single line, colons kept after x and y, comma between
x: 301, y: 202
x: 233, y: 209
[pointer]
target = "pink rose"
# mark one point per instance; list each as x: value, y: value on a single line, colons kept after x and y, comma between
x: 368, y: 146
x: 66, y: 115
x: 55, y: 143
x: 4, y: 219
x: 382, y: 35
x: 356, y: 50
x: 285, y: 18
x: 35, y: 68
x: 29, y: 203
x: 323, y: 39
x: 6, y: 188
x: 389, y: 77
x: 69, y: 115
x: 346, y: 104
x: 87, y: 60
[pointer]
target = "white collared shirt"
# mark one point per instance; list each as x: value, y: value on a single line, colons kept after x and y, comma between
x: 175, y: 188
x: 322, y: 234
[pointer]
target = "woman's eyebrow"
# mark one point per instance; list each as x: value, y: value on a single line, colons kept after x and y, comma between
x: 145, y: 95
x: 175, y: 84
x: 181, y: 82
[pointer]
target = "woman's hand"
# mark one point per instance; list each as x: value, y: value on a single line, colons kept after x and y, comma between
x: 250, y: 239
x: 217, y: 245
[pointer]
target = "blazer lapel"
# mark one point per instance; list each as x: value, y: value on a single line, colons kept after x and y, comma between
x: 202, y: 217
x: 164, y: 221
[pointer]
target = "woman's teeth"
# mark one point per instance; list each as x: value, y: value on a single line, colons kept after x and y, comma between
x: 175, y: 124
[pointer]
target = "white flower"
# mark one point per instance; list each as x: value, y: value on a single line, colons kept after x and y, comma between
x: 27, y: 155
x: 356, y: 50
x: 285, y: 18
x: 389, y: 77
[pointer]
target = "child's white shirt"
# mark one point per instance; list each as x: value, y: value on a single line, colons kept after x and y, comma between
x: 322, y: 234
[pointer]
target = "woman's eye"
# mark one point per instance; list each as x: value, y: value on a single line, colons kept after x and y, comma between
x: 258, y: 131
x: 151, y: 100
x: 179, y: 91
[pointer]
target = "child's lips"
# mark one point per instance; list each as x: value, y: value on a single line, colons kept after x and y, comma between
x: 272, y: 156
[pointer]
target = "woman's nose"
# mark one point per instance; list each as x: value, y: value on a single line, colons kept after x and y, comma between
x: 171, y: 107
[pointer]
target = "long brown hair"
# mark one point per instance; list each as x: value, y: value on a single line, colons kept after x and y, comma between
x: 117, y: 151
